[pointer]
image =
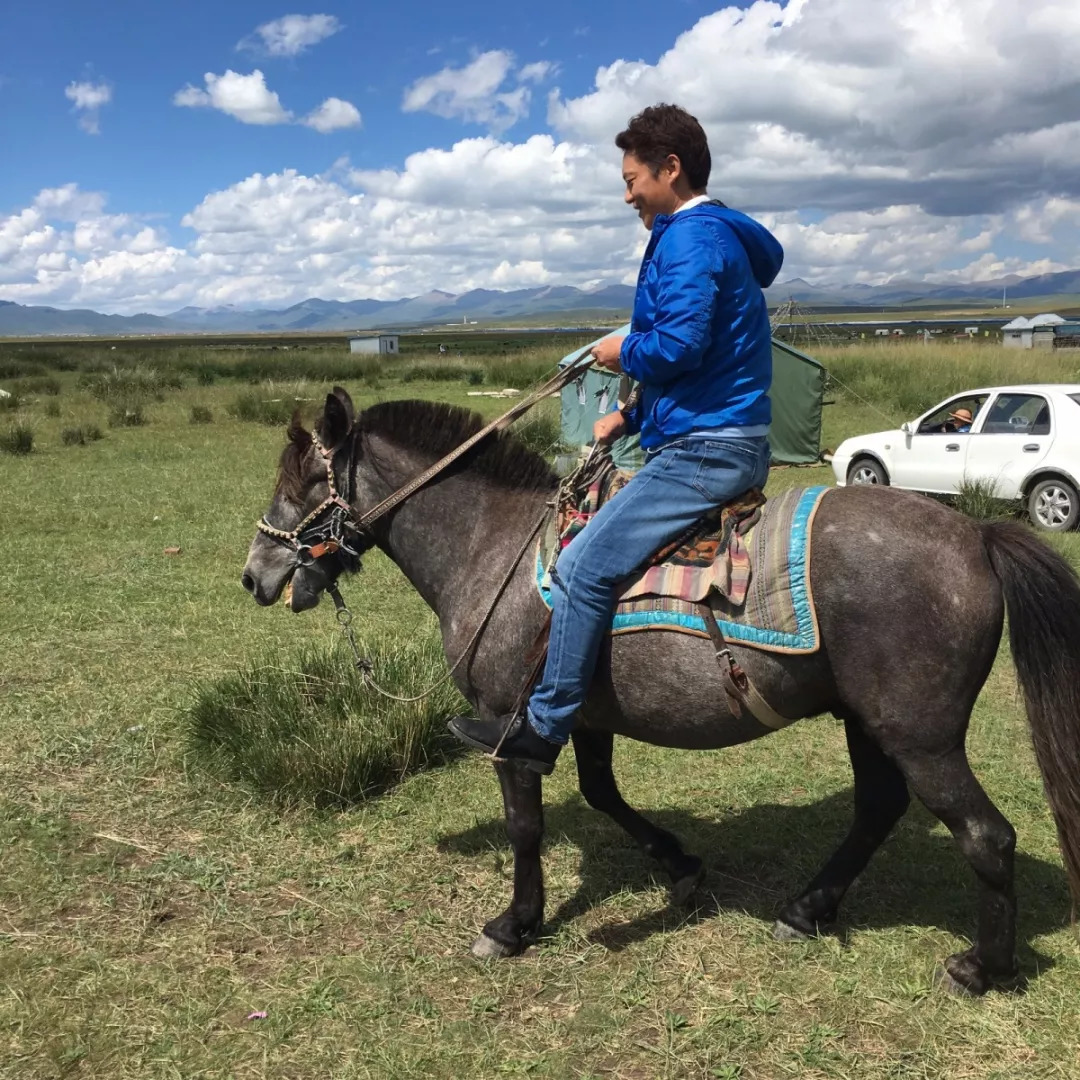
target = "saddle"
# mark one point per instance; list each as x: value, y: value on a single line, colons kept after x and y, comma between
x: 711, y: 555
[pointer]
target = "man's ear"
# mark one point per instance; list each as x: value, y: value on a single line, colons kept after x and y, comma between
x: 337, y: 419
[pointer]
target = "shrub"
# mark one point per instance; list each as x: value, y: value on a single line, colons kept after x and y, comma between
x: 52, y: 408
x: 18, y: 439
x: 256, y: 409
x: 201, y: 414
x: 38, y: 384
x: 127, y: 416
x: 205, y: 376
x: 310, y: 730
x: 11, y: 403
x: 81, y: 435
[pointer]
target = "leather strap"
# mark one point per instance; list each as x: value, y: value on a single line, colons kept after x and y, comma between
x: 739, y: 690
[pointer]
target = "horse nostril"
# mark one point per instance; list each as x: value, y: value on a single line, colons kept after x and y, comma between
x: 248, y: 582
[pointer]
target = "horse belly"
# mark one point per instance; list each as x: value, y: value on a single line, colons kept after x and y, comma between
x: 665, y: 688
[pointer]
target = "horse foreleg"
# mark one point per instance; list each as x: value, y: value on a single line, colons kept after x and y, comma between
x: 592, y: 749
x: 881, y: 797
x: 523, y: 804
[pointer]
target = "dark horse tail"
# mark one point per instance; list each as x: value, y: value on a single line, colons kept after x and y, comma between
x: 1042, y: 598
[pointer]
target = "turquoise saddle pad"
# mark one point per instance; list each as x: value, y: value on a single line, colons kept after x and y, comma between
x: 778, y: 615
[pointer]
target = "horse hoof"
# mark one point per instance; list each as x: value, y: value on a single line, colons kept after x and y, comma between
x: 783, y: 931
x: 963, y: 975
x: 950, y: 985
x: 486, y: 948
x: 683, y: 890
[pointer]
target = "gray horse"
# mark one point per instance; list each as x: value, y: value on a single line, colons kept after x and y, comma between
x: 911, y: 598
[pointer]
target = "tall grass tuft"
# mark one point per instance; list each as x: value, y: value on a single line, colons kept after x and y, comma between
x: 12, y: 403
x: 254, y: 408
x: 131, y: 415
x: 308, y: 730
x: 201, y: 414
x: 81, y: 435
x: 18, y: 439
x: 978, y: 499
x: 541, y: 431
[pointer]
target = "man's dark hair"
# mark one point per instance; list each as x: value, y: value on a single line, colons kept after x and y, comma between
x: 661, y: 130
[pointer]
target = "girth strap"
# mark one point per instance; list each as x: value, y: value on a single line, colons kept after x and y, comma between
x: 739, y: 690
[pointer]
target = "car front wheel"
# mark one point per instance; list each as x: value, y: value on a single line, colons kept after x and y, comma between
x: 1054, y: 505
x: 866, y: 471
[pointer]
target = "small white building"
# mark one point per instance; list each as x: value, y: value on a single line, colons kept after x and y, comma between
x: 1036, y: 333
x: 374, y: 343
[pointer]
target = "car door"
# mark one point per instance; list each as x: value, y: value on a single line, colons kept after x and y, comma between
x: 932, y: 458
x: 1014, y: 435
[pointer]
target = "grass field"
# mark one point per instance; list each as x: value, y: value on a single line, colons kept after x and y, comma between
x: 147, y: 907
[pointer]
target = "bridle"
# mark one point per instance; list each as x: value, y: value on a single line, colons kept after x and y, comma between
x: 332, y: 527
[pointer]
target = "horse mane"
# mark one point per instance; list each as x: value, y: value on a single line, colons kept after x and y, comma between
x: 436, y: 428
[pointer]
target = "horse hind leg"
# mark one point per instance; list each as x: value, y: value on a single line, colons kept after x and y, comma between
x: 948, y: 788
x: 881, y: 797
x: 593, y: 749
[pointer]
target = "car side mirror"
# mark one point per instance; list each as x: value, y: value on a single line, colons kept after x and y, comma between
x: 907, y: 427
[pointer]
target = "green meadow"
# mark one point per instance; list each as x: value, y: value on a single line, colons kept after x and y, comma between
x: 168, y: 877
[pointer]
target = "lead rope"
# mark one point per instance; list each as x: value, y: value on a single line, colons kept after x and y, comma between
x: 364, y: 665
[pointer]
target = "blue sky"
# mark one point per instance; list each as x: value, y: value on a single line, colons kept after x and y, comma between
x: 383, y: 152
x: 165, y: 159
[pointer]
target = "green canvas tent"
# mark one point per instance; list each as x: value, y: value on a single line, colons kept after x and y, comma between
x: 797, y: 390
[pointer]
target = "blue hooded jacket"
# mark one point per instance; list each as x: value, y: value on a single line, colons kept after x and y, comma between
x: 700, y: 343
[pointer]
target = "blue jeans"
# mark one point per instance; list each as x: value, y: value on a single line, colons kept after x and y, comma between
x: 678, y: 484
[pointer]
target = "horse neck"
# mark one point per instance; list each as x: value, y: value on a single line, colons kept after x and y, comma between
x: 455, y: 534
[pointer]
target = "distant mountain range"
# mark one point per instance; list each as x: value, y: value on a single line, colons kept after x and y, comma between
x: 562, y: 302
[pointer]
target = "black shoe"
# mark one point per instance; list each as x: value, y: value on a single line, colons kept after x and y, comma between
x: 521, y: 743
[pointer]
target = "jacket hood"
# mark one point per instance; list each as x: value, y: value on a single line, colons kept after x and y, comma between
x: 762, y: 248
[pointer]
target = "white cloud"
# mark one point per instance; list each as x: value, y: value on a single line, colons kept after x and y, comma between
x: 932, y: 142
x: 333, y: 115
x: 87, y: 99
x: 247, y: 98
x: 942, y: 104
x: 537, y: 72
x: 473, y: 93
x: 291, y: 34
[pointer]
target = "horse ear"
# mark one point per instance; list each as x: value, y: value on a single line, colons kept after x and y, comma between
x: 298, y: 434
x: 337, y: 419
x: 343, y: 396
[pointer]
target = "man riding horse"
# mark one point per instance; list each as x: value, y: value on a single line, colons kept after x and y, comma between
x: 701, y: 350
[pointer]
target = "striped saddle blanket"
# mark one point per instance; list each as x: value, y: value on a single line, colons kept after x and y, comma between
x: 751, y: 563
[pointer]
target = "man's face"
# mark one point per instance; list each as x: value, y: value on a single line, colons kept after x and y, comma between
x: 650, y: 195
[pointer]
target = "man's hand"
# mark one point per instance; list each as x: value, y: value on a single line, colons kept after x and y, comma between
x: 609, y: 428
x: 605, y: 353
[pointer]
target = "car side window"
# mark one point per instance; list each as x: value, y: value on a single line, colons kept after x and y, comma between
x: 1018, y: 414
x: 953, y: 418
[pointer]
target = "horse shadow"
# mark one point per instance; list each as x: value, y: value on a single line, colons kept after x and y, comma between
x: 759, y: 858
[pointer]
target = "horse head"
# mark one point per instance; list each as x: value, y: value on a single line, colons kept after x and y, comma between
x: 304, y: 537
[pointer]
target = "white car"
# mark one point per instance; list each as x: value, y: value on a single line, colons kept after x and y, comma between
x: 1024, y: 440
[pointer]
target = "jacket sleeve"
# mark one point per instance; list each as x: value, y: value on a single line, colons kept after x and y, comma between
x: 689, y: 261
